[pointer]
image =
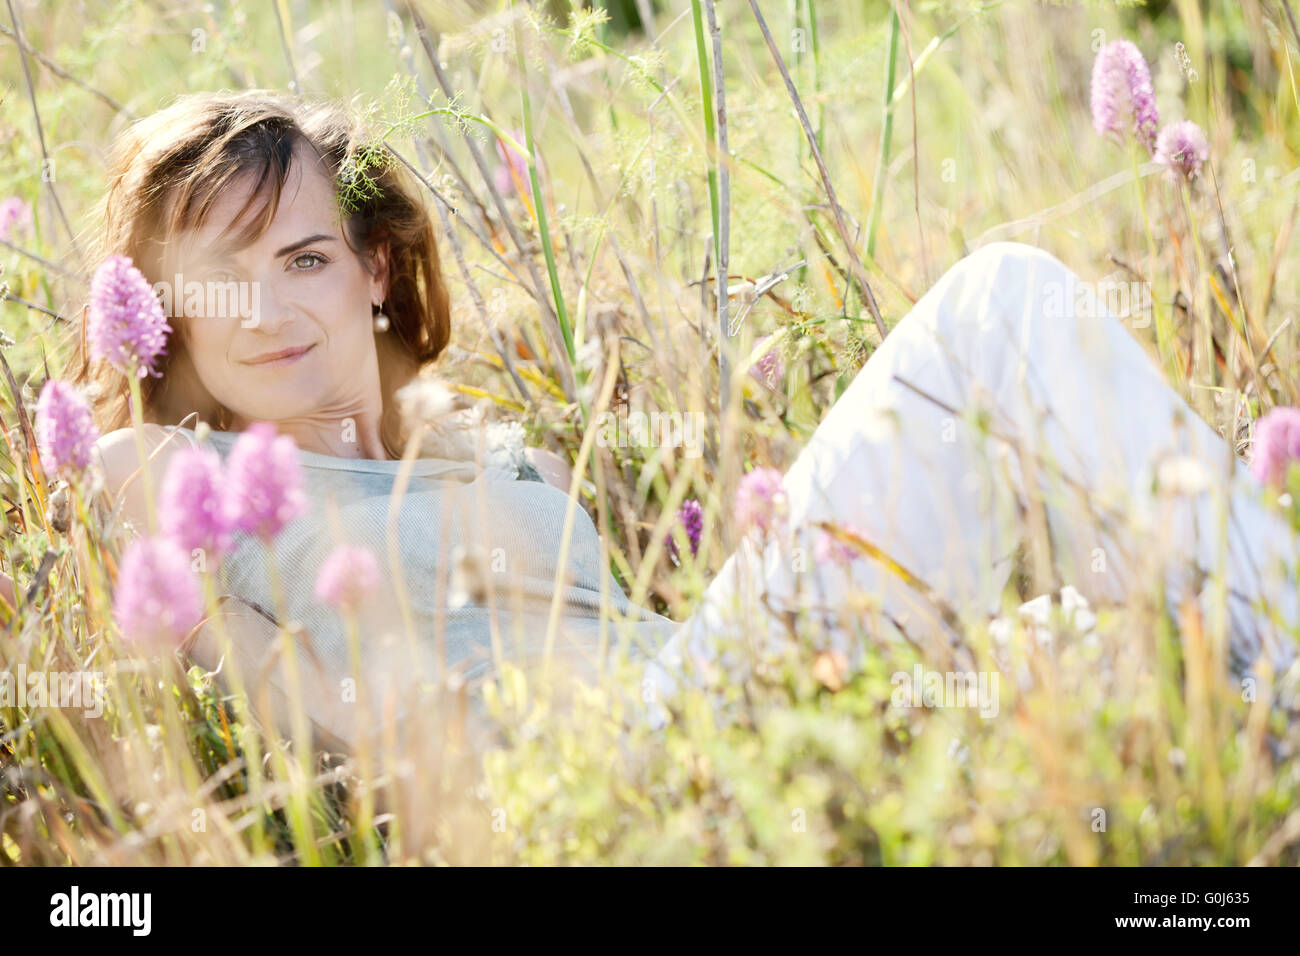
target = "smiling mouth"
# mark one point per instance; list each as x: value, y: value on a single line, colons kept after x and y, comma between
x: 280, y: 358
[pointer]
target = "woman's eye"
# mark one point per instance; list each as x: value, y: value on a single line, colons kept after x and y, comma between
x: 311, y: 258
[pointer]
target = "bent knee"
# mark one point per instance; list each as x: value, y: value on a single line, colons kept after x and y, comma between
x: 1009, y: 267
x: 1006, y: 286
x: 1006, y: 250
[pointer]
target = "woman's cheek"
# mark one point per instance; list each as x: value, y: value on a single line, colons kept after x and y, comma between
x: 210, y: 356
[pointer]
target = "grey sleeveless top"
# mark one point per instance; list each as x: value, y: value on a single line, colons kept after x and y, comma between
x: 476, y: 551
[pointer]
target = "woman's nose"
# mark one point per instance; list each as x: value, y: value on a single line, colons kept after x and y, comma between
x: 267, y: 311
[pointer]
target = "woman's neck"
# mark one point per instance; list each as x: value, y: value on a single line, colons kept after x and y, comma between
x: 349, y: 436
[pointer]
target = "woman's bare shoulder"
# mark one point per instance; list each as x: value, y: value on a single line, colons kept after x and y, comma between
x: 118, y: 454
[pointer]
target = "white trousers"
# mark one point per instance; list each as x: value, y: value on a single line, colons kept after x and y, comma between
x: 995, y: 400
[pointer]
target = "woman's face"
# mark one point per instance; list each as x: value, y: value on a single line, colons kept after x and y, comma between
x: 293, y: 339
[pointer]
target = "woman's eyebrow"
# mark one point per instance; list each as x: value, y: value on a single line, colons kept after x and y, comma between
x: 295, y: 246
x: 223, y: 253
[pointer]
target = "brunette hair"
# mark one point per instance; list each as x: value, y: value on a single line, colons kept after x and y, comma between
x: 166, y: 172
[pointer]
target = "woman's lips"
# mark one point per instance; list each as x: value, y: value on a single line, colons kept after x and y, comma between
x: 281, y: 358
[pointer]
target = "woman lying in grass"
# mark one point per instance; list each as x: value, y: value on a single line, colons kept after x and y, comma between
x: 996, y: 405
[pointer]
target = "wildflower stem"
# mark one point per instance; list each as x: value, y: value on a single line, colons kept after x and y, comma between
x: 566, y: 534
x: 722, y: 208
x: 1163, y: 335
x: 299, y: 802
x: 93, y: 546
x: 710, y: 141
x: 365, y: 813
x: 137, y: 422
x: 539, y: 209
x: 249, y: 742
x: 1202, y: 276
x: 815, y: 44
x: 392, y: 541
x: 886, y: 137
x: 1219, y: 638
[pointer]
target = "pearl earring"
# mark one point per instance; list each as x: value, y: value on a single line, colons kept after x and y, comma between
x: 381, y: 322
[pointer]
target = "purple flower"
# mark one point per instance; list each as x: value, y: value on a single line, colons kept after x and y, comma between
x: 264, y: 482
x: 510, y: 160
x: 1276, y: 445
x: 191, y: 509
x: 126, y: 324
x: 348, y: 577
x: 770, y: 369
x: 1183, y: 148
x: 15, y: 214
x: 761, y: 500
x: 691, y: 516
x: 157, y: 601
x: 830, y: 550
x: 65, y: 429
x: 1123, y: 100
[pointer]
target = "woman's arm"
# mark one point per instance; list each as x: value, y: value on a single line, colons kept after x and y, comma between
x: 552, y: 468
x: 241, y: 638
x: 118, y: 459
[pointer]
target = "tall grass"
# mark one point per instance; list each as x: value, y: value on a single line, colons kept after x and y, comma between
x: 605, y: 281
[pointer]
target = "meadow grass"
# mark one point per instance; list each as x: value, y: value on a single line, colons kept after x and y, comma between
x: 916, y: 133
